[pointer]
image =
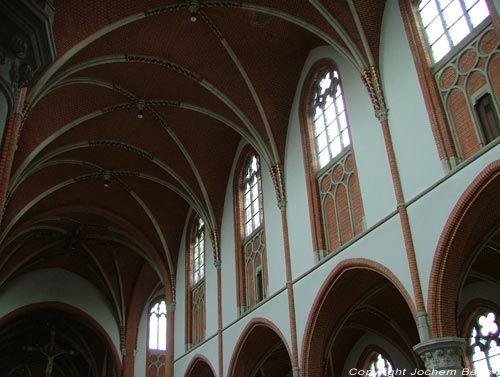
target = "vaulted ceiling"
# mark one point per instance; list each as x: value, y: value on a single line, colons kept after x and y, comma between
x: 104, y: 194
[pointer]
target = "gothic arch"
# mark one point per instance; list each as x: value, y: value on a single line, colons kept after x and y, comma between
x: 199, y: 366
x: 266, y: 342
x: 473, y: 221
x: 342, y: 312
x: 72, y: 319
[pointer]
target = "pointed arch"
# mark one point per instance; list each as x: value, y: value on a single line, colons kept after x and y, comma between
x: 200, y: 366
x: 259, y: 340
x: 468, y: 226
x: 331, y: 319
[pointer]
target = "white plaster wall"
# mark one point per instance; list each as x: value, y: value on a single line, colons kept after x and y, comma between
x: 208, y: 349
x: 180, y: 304
x: 274, y: 310
x: 382, y: 242
x: 210, y: 292
x: 398, y: 359
x: 58, y: 285
x: 369, y: 147
x: 140, y: 356
x: 384, y: 245
x: 429, y: 215
x: 371, y: 160
x: 414, y: 145
x: 274, y: 235
x: 300, y: 236
x: 211, y: 311
x: 274, y: 244
x: 228, y: 271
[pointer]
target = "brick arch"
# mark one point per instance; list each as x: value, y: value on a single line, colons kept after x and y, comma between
x: 255, y: 340
x: 336, y: 297
x: 82, y: 316
x: 476, y: 213
x: 200, y: 366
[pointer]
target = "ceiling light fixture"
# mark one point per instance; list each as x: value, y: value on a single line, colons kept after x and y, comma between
x: 107, y: 175
x: 194, y: 7
x: 140, y: 108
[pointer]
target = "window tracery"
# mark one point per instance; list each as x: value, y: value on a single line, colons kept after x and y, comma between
x: 195, y: 283
x: 251, y: 240
x: 254, y: 246
x: 331, y: 133
x: 157, y: 339
x: 484, y: 344
x: 252, y: 196
x: 334, y: 190
x: 199, y: 251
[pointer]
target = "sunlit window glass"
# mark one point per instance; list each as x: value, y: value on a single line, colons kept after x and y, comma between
x: 252, y: 196
x: 158, y: 326
x: 199, y: 251
x: 448, y: 22
x: 379, y: 366
x: 329, y: 117
x: 484, y: 345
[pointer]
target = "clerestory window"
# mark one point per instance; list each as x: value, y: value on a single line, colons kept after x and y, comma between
x: 251, y: 238
x: 195, y: 280
x: 252, y: 196
x: 447, y: 22
x: 330, y: 127
x: 199, y: 251
x: 157, y: 338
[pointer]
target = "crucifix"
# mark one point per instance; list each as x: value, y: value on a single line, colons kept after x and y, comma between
x: 50, y: 350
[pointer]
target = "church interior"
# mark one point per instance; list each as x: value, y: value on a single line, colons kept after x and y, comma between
x: 258, y: 188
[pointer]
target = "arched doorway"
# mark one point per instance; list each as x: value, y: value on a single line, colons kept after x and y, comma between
x: 361, y: 313
x: 260, y: 351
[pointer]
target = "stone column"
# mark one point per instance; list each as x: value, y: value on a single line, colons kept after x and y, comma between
x: 442, y: 356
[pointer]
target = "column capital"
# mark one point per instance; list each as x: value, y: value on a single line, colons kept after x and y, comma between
x: 279, y: 186
x: 26, y: 44
x: 172, y: 306
x: 214, y: 237
x: 442, y: 353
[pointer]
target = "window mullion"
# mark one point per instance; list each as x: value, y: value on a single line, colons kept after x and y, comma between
x: 158, y: 331
x: 444, y: 24
x: 328, y: 140
x: 466, y: 15
x: 337, y: 117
